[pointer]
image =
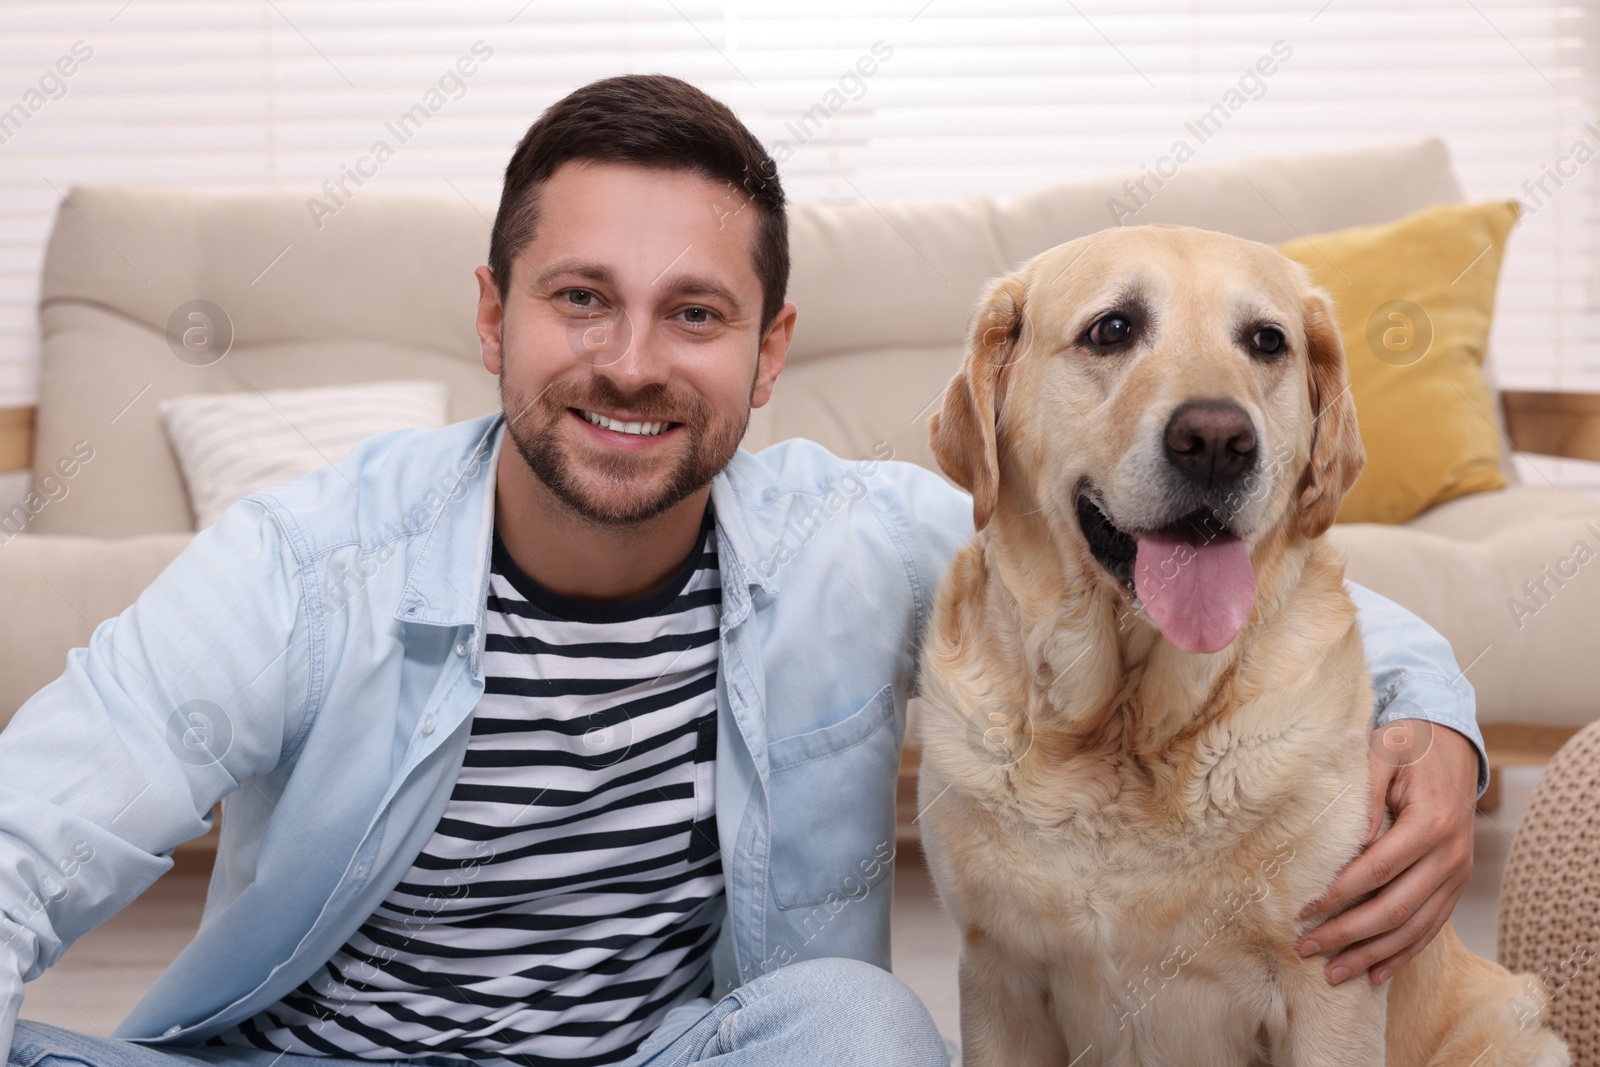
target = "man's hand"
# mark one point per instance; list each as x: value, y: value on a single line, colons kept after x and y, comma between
x: 1428, y: 775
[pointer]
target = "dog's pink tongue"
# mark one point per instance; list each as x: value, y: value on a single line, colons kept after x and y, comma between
x: 1199, y: 594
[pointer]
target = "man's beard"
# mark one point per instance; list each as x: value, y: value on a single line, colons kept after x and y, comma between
x: 616, y: 500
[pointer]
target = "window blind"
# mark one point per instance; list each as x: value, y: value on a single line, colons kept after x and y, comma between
x: 875, y: 99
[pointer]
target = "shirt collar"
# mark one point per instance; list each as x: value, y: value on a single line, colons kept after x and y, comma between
x: 449, y: 580
x: 741, y: 529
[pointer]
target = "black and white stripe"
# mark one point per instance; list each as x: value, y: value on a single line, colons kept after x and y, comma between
x: 572, y: 890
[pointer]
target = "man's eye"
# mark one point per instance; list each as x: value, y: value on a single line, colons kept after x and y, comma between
x: 698, y: 315
x: 1114, y: 329
x: 580, y: 297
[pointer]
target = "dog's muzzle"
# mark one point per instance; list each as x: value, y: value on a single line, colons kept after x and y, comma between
x: 1212, y: 443
x: 1192, y: 576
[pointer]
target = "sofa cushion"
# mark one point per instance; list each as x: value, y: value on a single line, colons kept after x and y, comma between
x: 383, y: 291
x: 1512, y: 579
x: 1414, y: 299
x: 231, y: 444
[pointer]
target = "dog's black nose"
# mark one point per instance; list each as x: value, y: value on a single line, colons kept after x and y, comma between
x: 1211, y: 441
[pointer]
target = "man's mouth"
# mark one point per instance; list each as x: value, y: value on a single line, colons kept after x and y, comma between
x: 636, y: 428
x: 1193, y: 576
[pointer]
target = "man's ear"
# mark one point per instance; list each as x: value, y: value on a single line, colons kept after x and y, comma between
x: 963, y: 432
x: 1336, y: 452
x: 772, y: 353
x: 491, y: 320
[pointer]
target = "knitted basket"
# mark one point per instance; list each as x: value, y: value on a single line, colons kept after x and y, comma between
x: 1550, y: 895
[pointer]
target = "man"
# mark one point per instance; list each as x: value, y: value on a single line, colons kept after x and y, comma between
x: 568, y: 735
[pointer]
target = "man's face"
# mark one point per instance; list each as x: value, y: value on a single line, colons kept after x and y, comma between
x: 628, y: 347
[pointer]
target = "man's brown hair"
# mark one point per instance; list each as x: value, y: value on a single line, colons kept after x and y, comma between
x: 652, y: 120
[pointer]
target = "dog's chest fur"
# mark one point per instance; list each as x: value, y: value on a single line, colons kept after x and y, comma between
x: 1149, y: 844
x: 1103, y: 843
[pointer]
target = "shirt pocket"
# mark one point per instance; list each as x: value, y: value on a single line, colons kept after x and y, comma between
x: 833, y: 793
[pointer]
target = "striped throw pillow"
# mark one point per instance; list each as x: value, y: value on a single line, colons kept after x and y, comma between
x: 231, y: 444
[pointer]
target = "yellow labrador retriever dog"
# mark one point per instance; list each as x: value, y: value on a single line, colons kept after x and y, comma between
x: 1146, y: 707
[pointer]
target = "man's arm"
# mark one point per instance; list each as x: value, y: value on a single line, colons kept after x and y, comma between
x: 171, y: 705
x: 1428, y: 766
x: 1414, y: 674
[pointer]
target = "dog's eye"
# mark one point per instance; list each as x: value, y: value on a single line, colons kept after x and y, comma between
x: 1111, y: 330
x: 1267, y: 341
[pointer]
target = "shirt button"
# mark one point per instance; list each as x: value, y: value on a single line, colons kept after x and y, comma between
x: 461, y: 648
x: 428, y: 723
x: 172, y: 1030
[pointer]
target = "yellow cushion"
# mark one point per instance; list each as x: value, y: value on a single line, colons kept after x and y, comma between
x: 1414, y: 299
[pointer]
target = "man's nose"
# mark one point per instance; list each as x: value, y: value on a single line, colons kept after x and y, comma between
x: 624, y: 349
x: 1211, y: 441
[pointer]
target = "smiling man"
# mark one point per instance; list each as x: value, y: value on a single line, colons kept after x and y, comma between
x: 565, y: 772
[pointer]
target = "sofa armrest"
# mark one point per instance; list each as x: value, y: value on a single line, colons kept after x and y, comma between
x: 1554, y: 424
x: 16, y: 438
x: 56, y: 589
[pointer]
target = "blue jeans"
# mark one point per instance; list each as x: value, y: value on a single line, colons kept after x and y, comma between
x: 818, y: 1013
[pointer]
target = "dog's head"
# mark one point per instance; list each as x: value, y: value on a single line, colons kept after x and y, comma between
x: 1166, y: 400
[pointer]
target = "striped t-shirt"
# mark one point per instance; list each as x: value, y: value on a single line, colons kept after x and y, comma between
x: 572, y: 890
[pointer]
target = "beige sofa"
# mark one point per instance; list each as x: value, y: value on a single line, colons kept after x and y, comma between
x: 385, y: 291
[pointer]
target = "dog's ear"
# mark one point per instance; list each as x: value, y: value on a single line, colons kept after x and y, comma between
x: 1336, y: 452
x: 962, y: 432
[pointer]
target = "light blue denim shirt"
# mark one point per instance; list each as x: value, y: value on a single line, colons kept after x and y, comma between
x: 313, y: 659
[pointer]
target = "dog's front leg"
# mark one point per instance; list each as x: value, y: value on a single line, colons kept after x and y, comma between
x: 1006, y: 1015
x: 1331, y: 1025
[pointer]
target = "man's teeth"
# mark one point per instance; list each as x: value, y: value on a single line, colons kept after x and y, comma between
x: 643, y: 429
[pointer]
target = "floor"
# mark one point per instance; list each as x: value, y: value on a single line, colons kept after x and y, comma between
x: 99, y: 979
